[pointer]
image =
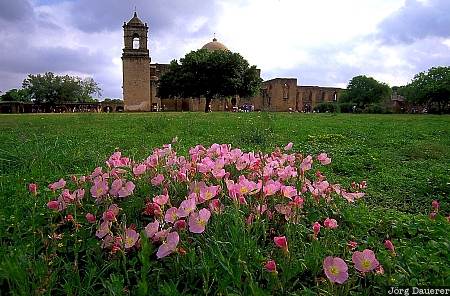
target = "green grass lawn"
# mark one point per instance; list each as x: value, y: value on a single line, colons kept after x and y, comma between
x: 404, y: 158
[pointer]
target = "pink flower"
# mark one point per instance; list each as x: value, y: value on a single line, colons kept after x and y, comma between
x: 287, y: 172
x: 389, y: 245
x: 335, y: 269
x: 281, y: 242
x: 79, y: 193
x: 97, y: 172
x: 330, y: 223
x: 169, y: 245
x: 306, y: 163
x: 316, y: 229
x: 435, y: 205
x: 53, y: 205
x: 351, y: 196
x: 107, y: 242
x: 171, y: 215
x: 271, y: 266
x: 32, y: 187
x: 286, y: 210
x: 187, y: 206
x: 157, y: 180
x: 289, y: 191
x: 109, y: 216
x: 103, y: 229
x: 99, y: 189
x: 160, y: 235
x: 151, y: 229
x: 116, y: 160
x: 90, y: 218
x: 288, y: 146
x: 131, y: 237
x: 323, y: 158
x: 352, y: 245
x: 208, y: 192
x: 432, y: 215
x: 363, y: 184
x: 57, y: 185
x: 180, y: 225
x: 69, y: 218
x: 297, y: 202
x: 215, y: 206
x: 161, y: 199
x: 152, y: 209
x: 244, y: 186
x: 271, y: 187
x: 115, y: 187
x: 127, y: 190
x: 139, y: 170
x: 198, y: 221
x: 365, y: 261
x: 379, y: 270
x: 218, y: 173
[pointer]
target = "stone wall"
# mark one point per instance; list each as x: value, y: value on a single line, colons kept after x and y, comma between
x: 136, y: 83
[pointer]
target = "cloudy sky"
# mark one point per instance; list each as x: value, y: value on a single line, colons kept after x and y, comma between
x: 320, y: 42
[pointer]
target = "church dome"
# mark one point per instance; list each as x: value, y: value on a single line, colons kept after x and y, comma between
x: 214, y: 45
x: 135, y: 20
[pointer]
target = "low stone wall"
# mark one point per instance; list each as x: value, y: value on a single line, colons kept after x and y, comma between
x: 19, y: 107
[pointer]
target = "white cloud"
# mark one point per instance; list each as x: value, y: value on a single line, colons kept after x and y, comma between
x: 279, y: 35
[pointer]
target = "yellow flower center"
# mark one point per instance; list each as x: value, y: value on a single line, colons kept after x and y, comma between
x: 99, y: 191
x: 129, y: 240
x: 334, y: 270
x: 208, y: 195
x: 244, y: 190
x: 366, y: 263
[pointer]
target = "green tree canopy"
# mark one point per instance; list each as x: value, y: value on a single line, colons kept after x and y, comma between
x: 430, y: 87
x: 16, y: 95
x: 363, y: 90
x: 209, y: 74
x: 51, y: 88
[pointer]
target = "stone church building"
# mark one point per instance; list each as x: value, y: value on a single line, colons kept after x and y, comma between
x: 140, y: 82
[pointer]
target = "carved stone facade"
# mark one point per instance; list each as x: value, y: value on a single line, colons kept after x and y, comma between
x: 140, y: 81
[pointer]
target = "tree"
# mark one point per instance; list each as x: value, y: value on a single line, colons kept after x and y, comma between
x: 363, y: 90
x: 210, y: 74
x: 16, y: 95
x: 430, y: 87
x: 51, y: 88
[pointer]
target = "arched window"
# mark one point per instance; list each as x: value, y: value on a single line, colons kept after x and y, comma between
x: 136, y: 41
x: 285, y: 91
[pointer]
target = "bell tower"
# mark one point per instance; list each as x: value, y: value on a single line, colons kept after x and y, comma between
x: 136, y: 66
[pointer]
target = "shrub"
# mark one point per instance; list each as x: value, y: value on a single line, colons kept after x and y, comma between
x: 346, y: 107
x: 326, y: 107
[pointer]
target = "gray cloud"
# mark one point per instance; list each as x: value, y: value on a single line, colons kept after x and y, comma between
x: 415, y: 21
x: 162, y: 15
x: 25, y: 31
x: 54, y: 59
x: 14, y: 10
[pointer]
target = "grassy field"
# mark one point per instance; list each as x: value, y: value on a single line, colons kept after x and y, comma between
x: 404, y: 158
